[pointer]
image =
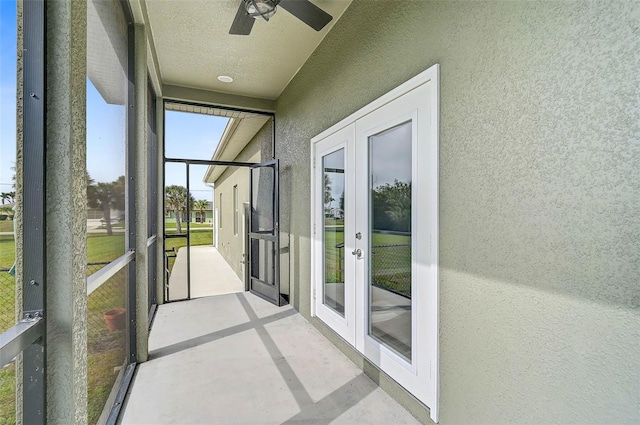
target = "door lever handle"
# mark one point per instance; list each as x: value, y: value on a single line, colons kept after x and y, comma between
x: 357, y: 252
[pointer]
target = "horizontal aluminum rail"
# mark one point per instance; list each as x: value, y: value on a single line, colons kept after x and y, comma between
x: 104, y: 274
x: 15, y: 339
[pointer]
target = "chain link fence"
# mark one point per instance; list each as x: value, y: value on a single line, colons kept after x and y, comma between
x: 106, y: 337
x: 7, y: 299
x: 391, y: 267
x: 109, y: 296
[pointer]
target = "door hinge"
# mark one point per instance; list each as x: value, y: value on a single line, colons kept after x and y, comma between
x: 314, y: 293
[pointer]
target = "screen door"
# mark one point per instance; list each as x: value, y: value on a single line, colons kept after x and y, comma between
x: 264, y: 267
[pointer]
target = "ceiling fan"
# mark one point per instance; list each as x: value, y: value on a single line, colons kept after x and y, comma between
x: 250, y: 10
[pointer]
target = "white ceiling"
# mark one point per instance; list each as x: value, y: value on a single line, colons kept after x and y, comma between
x: 194, y: 47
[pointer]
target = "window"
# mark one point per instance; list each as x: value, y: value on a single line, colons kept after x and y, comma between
x: 220, y: 209
x: 235, y: 209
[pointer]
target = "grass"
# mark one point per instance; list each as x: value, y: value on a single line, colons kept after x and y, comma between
x: 197, y: 238
x: 106, y: 350
x: 7, y: 251
x: 391, y: 268
x: 103, y: 369
x: 102, y: 247
x: 7, y: 395
x: 172, y: 225
x: 6, y: 225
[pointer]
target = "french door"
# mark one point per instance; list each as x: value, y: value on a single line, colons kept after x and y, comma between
x: 334, y: 271
x: 375, y: 236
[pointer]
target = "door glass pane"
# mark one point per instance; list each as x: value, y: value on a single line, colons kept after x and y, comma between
x: 333, y: 204
x: 390, y: 238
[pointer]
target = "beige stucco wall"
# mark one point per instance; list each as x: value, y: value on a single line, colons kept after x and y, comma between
x: 539, y: 193
x: 231, y: 246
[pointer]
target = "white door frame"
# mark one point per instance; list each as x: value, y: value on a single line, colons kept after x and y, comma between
x: 421, y: 376
x: 343, y: 325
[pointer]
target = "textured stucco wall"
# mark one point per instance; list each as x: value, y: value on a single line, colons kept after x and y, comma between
x: 66, y: 212
x: 19, y: 189
x: 140, y: 182
x: 231, y: 246
x: 539, y: 193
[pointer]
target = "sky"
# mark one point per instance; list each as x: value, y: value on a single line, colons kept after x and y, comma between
x: 190, y: 136
x: 7, y: 93
x: 391, y: 155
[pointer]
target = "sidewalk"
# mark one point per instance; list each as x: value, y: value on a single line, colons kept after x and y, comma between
x: 210, y: 274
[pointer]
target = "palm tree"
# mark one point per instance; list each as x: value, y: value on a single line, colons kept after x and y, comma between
x: 9, y: 196
x: 176, y: 201
x: 327, y: 193
x: 106, y: 196
x: 200, y: 206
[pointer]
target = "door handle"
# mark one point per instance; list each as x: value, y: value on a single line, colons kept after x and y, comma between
x: 357, y: 253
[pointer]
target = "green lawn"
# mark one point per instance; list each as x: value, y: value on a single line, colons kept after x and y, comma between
x: 100, y: 247
x: 197, y: 238
x: 106, y: 350
x: 7, y: 251
x: 172, y: 225
x: 391, y: 264
x: 6, y: 225
x: 7, y: 395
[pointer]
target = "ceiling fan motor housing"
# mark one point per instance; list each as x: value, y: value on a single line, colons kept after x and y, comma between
x: 264, y: 9
x: 250, y: 10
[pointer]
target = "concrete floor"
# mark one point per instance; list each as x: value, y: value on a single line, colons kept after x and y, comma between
x: 390, y: 315
x: 210, y: 274
x: 236, y: 359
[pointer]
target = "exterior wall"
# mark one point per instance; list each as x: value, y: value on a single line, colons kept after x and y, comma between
x: 539, y: 194
x: 230, y: 245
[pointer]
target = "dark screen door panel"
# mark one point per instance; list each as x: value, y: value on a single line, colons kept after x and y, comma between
x: 264, y: 267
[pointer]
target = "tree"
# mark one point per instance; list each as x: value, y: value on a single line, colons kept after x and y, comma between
x: 200, y: 206
x: 8, y: 196
x: 6, y: 211
x: 106, y: 196
x: 327, y: 193
x: 392, y: 207
x: 176, y: 201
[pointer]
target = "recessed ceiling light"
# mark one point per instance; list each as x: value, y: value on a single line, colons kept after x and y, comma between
x: 225, y: 79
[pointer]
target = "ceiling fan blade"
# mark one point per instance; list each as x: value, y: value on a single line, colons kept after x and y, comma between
x: 242, y: 23
x: 307, y: 12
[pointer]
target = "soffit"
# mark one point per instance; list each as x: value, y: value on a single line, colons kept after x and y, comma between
x: 236, y: 136
x: 210, y: 110
x: 194, y: 47
x: 107, y: 50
